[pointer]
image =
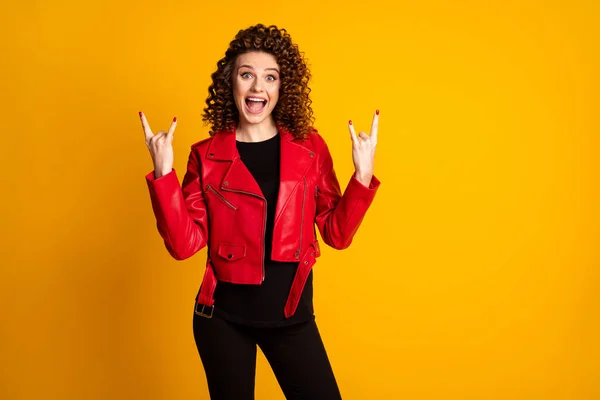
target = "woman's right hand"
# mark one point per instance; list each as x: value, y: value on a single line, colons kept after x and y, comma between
x: 160, y: 147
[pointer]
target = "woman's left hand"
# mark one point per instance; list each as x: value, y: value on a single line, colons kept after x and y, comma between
x: 363, y: 151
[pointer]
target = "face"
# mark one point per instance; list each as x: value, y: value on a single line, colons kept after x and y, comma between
x: 256, y: 83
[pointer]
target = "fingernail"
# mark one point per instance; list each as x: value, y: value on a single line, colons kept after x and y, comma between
x: 140, y: 113
x: 377, y: 112
x: 175, y: 119
x: 350, y: 122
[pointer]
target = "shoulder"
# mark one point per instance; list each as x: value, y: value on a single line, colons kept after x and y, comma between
x: 202, y: 143
x: 319, y: 145
x: 197, y: 149
x: 315, y: 141
x: 219, y: 139
x: 201, y: 147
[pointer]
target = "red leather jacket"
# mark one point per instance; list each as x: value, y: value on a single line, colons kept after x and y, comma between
x: 220, y: 205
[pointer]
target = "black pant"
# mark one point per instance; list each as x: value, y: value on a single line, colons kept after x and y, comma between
x: 296, y: 355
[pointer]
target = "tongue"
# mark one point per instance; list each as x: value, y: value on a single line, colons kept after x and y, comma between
x: 255, y: 106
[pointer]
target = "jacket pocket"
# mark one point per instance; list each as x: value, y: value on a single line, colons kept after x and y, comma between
x: 219, y: 196
x: 231, y: 252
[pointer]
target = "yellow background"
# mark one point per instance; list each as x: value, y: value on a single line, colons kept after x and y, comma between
x: 475, y: 274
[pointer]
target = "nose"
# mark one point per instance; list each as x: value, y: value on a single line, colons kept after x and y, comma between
x: 257, y: 85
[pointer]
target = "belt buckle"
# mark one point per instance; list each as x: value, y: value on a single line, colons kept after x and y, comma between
x: 202, y: 313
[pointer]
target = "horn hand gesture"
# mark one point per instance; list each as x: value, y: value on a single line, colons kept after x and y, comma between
x: 363, y: 151
x: 160, y: 147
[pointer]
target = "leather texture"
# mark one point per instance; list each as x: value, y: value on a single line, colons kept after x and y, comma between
x: 220, y: 205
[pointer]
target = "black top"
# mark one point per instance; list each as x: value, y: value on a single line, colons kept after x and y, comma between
x: 262, y: 305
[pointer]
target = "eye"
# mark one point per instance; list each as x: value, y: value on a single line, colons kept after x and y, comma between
x: 271, y: 78
x: 246, y: 75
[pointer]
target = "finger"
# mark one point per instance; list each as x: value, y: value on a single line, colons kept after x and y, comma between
x: 172, y: 129
x: 375, y: 127
x: 352, y: 132
x: 363, y: 136
x: 147, y: 131
x: 158, y: 137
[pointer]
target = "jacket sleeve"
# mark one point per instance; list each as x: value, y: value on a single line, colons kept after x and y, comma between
x: 180, y: 211
x: 339, y: 216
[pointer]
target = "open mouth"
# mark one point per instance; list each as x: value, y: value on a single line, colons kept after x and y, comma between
x: 255, y: 105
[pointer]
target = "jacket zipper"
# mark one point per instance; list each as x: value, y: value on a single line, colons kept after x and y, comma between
x: 264, y: 224
x: 302, y: 219
x: 220, y: 196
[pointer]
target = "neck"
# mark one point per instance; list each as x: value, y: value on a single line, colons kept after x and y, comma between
x: 256, y: 132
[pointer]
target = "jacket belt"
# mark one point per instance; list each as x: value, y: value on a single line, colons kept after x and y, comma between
x: 307, y: 260
x: 209, y: 283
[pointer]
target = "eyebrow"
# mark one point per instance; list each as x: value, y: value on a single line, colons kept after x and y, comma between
x: 249, y: 66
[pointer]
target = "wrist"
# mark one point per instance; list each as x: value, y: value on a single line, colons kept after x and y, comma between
x: 364, y: 178
x: 159, y: 173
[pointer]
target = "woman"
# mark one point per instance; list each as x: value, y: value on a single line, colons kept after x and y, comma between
x: 253, y: 192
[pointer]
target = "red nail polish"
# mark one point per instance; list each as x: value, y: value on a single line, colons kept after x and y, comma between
x: 377, y: 112
x: 175, y: 119
x: 140, y: 113
x: 350, y: 122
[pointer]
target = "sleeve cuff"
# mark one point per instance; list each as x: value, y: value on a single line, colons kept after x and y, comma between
x: 367, y: 193
x: 373, y: 185
x: 150, y: 179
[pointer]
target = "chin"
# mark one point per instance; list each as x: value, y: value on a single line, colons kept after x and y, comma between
x: 255, y: 119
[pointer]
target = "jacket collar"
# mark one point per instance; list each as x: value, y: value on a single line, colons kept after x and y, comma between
x: 223, y: 144
x: 295, y: 161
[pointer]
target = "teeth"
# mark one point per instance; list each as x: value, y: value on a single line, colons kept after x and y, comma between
x: 255, y: 99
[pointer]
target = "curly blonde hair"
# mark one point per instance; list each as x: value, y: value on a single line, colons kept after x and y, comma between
x: 293, y: 110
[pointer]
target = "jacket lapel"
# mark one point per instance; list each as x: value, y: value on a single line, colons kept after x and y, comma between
x: 237, y: 178
x: 294, y: 163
